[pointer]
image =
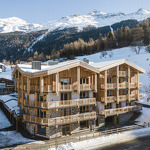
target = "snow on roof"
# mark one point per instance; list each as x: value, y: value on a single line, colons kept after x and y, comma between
x: 109, y: 64
x: 28, y: 68
x: 11, y: 103
x: 55, y: 68
x: 95, y: 66
x: 6, y: 98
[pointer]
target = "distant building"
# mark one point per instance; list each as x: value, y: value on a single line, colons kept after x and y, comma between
x: 2, y: 68
x: 6, y: 86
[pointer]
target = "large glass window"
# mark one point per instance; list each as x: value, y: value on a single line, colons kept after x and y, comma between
x: 84, y: 95
x: 65, y: 81
x: 84, y: 80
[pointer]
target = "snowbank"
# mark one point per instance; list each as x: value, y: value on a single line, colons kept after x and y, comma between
x: 4, y: 123
x: 9, y: 138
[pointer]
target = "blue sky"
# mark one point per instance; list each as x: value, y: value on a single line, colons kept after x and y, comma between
x: 40, y: 11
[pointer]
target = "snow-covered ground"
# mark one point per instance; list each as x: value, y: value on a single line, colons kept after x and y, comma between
x: 8, y: 138
x: 4, y: 123
x: 103, y: 141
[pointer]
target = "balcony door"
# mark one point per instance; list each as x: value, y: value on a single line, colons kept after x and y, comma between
x: 66, y: 129
x: 64, y: 98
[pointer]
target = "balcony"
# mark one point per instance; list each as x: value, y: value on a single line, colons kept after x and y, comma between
x: 109, y: 86
x: 60, y: 120
x: 110, y: 99
x: 86, y: 87
x: 60, y: 104
x: 123, y: 97
x: 67, y: 87
x: 140, y: 85
x: 117, y: 111
x: 123, y: 73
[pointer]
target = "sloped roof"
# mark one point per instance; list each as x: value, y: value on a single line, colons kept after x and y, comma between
x: 28, y: 71
x: 101, y: 66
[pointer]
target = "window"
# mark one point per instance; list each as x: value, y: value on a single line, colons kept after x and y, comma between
x: 84, y: 94
x: 65, y: 81
x: 84, y: 81
x: 109, y: 93
x: 109, y: 80
x: 119, y: 105
x: 108, y: 106
x: 126, y: 79
x: 84, y: 109
x: 84, y: 124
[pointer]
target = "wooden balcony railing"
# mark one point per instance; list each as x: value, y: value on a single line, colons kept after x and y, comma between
x: 86, y: 87
x: 123, y: 85
x: 140, y: 85
x: 109, y: 99
x: 140, y: 96
x: 60, y: 120
x: 123, y: 97
x: 60, y: 104
x: 123, y: 73
x: 117, y: 111
x: 66, y: 87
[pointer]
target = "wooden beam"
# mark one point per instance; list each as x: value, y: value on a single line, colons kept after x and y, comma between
x: 28, y: 85
x: 118, y: 84
x: 57, y: 83
x: 129, y: 74
x: 41, y: 84
x: 78, y: 78
x: 106, y: 87
x: 96, y: 83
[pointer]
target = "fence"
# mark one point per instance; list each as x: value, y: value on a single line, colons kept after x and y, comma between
x: 61, y: 141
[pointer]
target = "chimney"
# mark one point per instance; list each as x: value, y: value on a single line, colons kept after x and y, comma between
x: 86, y: 60
x: 36, y: 65
x: 50, y: 63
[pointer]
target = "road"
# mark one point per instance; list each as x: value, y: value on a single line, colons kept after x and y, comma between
x: 142, y: 143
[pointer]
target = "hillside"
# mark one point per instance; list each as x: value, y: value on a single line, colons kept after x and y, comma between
x: 19, y: 39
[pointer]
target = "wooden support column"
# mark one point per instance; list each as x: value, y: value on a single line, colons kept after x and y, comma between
x: 16, y: 123
x: 106, y: 87
x: 41, y: 84
x: 118, y: 84
x: 15, y: 83
x: 78, y: 79
x: 28, y: 85
x: 18, y: 90
x: 57, y: 83
x: 137, y: 82
x: 129, y: 83
x: 96, y: 83
x: 22, y: 91
x: 48, y: 88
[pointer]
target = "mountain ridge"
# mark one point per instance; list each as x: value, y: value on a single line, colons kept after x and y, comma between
x: 95, y: 18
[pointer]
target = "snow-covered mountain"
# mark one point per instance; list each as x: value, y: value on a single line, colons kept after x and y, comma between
x: 94, y: 18
x: 14, y: 24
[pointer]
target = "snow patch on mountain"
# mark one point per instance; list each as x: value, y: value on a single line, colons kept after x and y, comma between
x: 15, y: 24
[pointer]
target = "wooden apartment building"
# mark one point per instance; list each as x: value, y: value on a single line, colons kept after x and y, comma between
x: 60, y: 99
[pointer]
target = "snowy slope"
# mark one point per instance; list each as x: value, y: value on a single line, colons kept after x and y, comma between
x: 14, y: 24
x: 94, y: 18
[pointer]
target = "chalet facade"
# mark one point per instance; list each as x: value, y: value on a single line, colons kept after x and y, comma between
x: 72, y: 96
